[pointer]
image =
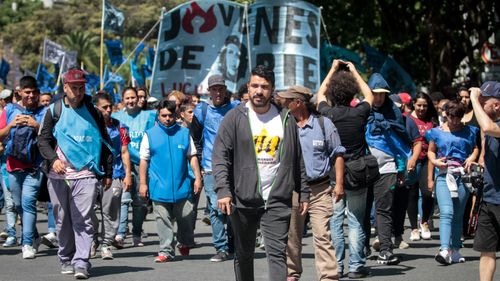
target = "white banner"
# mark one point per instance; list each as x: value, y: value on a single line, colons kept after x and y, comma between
x: 55, y: 53
x: 202, y: 38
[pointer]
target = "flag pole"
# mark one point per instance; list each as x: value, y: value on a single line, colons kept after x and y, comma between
x: 102, y: 45
x: 60, y: 71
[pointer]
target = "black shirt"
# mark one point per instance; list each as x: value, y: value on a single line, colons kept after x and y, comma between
x: 351, y: 125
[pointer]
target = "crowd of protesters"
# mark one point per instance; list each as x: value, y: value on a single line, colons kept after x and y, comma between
x: 269, y: 162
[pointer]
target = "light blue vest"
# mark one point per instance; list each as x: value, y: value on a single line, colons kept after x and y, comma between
x: 137, y: 125
x: 168, y: 167
x: 78, y: 137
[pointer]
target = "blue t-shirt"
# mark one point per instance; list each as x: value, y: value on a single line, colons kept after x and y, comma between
x: 453, y: 145
x: 491, y: 191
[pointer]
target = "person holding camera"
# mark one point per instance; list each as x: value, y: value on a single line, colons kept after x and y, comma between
x: 340, y: 86
x: 452, y: 151
x: 486, y: 104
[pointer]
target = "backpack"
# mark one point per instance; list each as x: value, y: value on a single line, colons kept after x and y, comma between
x: 23, y: 142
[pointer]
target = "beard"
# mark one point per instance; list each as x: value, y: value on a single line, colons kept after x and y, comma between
x: 263, y: 102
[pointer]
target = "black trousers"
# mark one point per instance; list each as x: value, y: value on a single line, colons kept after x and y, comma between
x: 383, y: 192
x: 274, y: 224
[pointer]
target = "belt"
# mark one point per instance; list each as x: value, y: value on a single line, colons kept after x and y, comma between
x: 319, y: 180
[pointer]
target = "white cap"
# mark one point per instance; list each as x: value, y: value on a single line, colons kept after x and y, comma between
x: 5, y: 93
x: 152, y: 99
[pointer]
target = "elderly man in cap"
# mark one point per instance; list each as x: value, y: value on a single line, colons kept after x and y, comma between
x: 321, y: 149
x: 74, y: 142
x: 486, y: 106
x: 19, y: 124
x: 390, y: 143
x: 204, y: 127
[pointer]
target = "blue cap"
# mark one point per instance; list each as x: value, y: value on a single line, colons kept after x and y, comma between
x: 490, y: 89
x: 378, y: 84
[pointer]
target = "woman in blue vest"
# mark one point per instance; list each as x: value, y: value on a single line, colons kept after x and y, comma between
x: 138, y: 121
x: 20, y: 122
x: 165, y: 151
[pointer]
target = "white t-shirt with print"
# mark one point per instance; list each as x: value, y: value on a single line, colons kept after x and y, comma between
x: 267, y: 133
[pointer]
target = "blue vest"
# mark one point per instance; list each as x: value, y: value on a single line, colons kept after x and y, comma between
x: 168, y: 166
x: 116, y: 143
x: 11, y: 111
x: 78, y: 137
x: 137, y: 124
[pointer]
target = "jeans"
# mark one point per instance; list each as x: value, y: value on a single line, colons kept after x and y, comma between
x: 451, y: 212
x: 217, y: 218
x: 10, y: 208
x: 51, y: 221
x: 24, y: 187
x: 420, y: 200
x: 139, y: 207
x: 168, y: 213
x: 354, y: 204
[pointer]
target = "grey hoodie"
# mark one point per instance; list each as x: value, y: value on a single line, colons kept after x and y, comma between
x: 234, y: 163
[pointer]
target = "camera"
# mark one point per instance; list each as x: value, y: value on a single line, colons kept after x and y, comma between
x: 343, y: 67
x: 474, y: 179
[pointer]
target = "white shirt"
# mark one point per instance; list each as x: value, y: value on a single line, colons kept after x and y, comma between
x: 144, y: 150
x: 267, y: 133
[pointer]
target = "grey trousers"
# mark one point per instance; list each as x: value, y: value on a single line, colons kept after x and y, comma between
x: 109, y: 201
x: 274, y: 224
x: 166, y: 214
x: 73, y: 202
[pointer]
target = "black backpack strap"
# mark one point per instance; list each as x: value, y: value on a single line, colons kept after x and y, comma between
x: 56, y: 114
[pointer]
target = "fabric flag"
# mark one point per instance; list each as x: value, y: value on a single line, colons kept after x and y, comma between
x: 52, y: 52
x: 46, y: 80
x: 138, y: 51
x: 113, y: 19
x: 137, y: 74
x: 92, y: 83
x: 151, y: 58
x: 374, y: 58
x: 330, y: 52
x: 112, y: 79
x: 399, y: 80
x: 4, y: 70
x: 115, y: 54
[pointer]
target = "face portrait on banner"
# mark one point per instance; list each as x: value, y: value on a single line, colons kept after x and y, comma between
x: 233, y: 61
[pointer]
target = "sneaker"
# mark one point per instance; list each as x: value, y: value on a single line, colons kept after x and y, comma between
x: 106, y: 253
x: 361, y: 273
x: 376, y: 244
x: 28, y: 252
x: 50, y: 240
x: 10, y: 242
x: 183, y: 250
x: 93, y: 249
x: 137, y: 242
x: 162, y: 258
x: 219, y: 257
x: 4, y: 235
x: 387, y: 258
x: 81, y: 273
x: 206, y: 220
x: 425, y: 231
x: 443, y: 257
x: 415, y: 235
x: 400, y: 243
x: 67, y: 268
x: 456, y: 257
x: 119, y: 242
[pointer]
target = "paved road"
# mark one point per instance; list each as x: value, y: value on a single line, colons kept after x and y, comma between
x: 137, y: 263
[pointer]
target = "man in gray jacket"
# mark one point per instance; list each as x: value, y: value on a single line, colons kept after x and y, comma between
x: 261, y: 190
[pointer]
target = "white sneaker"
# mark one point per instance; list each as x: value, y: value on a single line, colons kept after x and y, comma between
x: 28, y: 252
x: 415, y: 235
x: 456, y: 257
x: 425, y: 231
x: 443, y: 257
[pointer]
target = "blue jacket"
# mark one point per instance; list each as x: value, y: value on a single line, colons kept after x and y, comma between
x: 169, y: 181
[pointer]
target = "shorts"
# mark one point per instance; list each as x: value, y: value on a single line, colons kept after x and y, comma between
x: 488, y: 228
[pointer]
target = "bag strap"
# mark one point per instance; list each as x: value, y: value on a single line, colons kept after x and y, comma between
x: 56, y: 114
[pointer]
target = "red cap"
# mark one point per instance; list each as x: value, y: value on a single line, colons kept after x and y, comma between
x: 74, y: 76
x: 405, y: 98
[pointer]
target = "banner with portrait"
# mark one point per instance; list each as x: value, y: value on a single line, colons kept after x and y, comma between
x: 201, y: 38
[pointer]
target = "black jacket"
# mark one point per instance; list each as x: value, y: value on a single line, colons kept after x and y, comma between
x: 235, y: 169
x: 47, y: 143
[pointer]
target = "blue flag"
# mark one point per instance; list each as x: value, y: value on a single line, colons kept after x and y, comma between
x: 151, y: 58
x: 114, y: 19
x: 330, y: 52
x: 138, y: 51
x: 114, y: 48
x: 374, y: 58
x: 397, y: 77
x: 4, y: 70
x: 111, y: 80
x: 46, y: 80
x: 137, y: 74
